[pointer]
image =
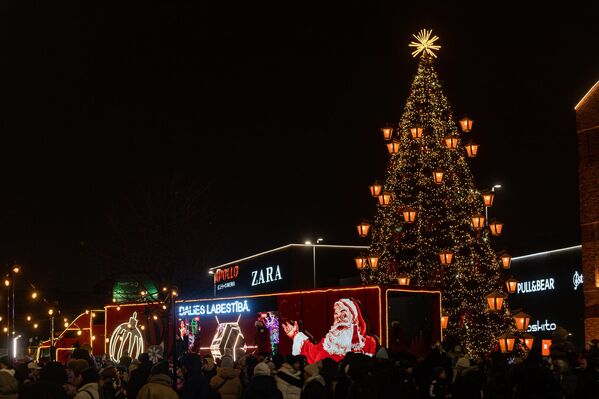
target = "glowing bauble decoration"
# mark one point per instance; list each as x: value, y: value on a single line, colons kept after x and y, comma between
x: 126, y: 339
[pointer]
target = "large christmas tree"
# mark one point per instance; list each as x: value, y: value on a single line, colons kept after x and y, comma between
x: 430, y: 217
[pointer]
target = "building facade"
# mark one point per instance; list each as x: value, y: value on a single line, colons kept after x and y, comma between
x: 587, y: 129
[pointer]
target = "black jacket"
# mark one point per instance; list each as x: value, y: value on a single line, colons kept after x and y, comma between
x: 139, y: 377
x: 262, y: 387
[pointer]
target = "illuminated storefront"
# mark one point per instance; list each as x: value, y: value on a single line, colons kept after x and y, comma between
x: 550, y: 290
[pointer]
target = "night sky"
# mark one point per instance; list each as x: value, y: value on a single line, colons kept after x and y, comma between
x: 263, y: 120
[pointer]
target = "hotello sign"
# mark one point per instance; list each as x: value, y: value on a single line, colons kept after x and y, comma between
x: 526, y: 287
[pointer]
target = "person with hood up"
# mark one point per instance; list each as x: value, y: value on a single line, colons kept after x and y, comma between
x: 159, y: 384
x: 226, y: 381
x: 289, y: 378
x: 195, y: 385
x: 262, y: 385
x: 139, y: 376
x: 314, y: 384
x: 9, y: 386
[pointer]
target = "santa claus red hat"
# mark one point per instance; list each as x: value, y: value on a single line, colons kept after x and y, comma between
x: 354, y: 309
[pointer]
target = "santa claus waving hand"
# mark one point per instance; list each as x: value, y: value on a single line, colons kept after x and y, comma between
x: 347, y: 334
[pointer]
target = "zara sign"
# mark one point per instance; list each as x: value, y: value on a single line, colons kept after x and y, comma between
x: 266, y: 275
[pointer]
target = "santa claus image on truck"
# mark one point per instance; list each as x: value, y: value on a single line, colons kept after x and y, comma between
x: 347, y: 334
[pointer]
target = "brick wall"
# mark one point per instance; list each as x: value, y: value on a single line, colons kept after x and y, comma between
x: 587, y: 129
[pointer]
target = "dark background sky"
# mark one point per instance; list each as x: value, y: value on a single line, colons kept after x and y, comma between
x: 270, y: 111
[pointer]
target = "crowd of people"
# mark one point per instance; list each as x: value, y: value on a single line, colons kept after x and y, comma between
x: 440, y: 374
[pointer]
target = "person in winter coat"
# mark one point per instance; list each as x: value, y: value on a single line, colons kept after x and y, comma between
x: 262, y: 385
x: 159, y: 384
x: 438, y: 387
x: 208, y: 367
x: 314, y: 384
x: 139, y: 376
x: 226, y: 381
x: 531, y: 380
x: 9, y: 386
x: 53, y: 377
x: 289, y: 378
x: 195, y: 385
x: 88, y: 384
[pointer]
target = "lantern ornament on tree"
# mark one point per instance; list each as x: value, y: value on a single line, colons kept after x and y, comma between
x: 505, y: 259
x: 361, y: 261
x: 416, y: 132
x: 438, y: 176
x: 385, y: 198
x: 376, y: 188
x: 529, y: 340
x: 466, y: 124
x: 522, y: 320
x: 506, y: 342
x: 373, y: 261
x: 409, y: 214
x: 511, y: 284
x: 496, y: 228
x: 488, y: 198
x: 471, y: 149
x: 126, y: 339
x: 445, y: 257
x: 393, y: 146
x: 451, y: 141
x: 363, y: 228
x: 478, y: 221
x: 387, y: 132
x: 495, y: 300
x: 403, y: 279
x: 444, y: 319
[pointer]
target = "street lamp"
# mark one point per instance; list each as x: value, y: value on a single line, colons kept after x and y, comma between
x: 488, y: 199
x: 318, y: 241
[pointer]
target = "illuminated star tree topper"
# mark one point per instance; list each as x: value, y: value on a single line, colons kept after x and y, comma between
x: 425, y: 44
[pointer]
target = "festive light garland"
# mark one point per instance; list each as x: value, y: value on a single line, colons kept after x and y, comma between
x: 443, y: 220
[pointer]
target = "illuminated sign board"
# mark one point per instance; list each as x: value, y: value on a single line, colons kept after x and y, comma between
x: 266, y: 275
x: 550, y: 290
x: 577, y: 279
x: 213, y: 308
x: 536, y: 285
x: 547, y: 326
x: 259, y: 275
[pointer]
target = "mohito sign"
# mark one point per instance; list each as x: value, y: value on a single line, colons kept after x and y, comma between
x: 538, y: 326
x: 527, y: 287
x: 214, y: 308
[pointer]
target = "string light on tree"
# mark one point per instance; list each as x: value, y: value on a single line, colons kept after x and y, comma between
x: 434, y: 229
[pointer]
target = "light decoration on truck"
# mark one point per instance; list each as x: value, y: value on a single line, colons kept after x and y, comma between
x: 126, y: 339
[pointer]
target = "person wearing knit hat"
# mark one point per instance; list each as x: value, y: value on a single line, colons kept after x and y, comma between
x: 314, y: 384
x: 159, y: 383
x: 262, y: 385
x: 347, y: 334
x: 261, y: 369
x: 226, y: 381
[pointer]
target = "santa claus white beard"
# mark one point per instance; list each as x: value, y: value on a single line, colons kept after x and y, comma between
x: 339, y: 339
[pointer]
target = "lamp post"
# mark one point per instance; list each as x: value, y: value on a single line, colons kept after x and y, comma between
x: 318, y: 241
x: 487, y: 207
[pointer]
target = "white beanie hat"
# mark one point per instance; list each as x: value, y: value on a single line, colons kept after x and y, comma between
x: 262, y: 369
